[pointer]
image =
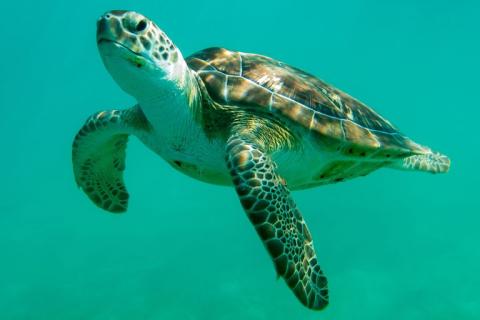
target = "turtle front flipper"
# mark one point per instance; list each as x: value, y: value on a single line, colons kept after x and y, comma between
x: 98, y: 155
x: 278, y: 222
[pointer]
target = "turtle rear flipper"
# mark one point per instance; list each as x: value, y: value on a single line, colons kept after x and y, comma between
x: 98, y: 155
x: 429, y: 162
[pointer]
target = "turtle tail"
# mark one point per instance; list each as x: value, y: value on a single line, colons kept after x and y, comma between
x: 429, y: 162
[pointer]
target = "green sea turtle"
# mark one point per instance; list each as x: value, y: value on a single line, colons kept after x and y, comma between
x: 241, y: 119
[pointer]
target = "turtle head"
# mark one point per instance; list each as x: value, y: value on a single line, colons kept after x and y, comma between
x: 138, y: 54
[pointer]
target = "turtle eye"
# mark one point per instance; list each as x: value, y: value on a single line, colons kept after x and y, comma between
x: 141, y: 26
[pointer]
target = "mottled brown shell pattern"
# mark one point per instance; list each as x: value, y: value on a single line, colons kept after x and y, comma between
x: 250, y: 80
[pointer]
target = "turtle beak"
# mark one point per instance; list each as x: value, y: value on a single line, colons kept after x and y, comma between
x: 108, y: 28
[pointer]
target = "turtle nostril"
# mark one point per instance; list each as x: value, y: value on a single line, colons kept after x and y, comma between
x: 141, y: 26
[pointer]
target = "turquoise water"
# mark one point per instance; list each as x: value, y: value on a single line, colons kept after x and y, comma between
x: 395, y: 245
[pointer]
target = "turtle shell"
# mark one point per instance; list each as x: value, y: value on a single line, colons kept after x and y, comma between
x: 256, y: 81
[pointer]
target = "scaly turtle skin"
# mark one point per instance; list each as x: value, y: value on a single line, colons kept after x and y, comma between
x: 240, y: 119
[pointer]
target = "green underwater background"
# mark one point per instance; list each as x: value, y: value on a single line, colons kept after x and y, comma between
x: 394, y: 245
